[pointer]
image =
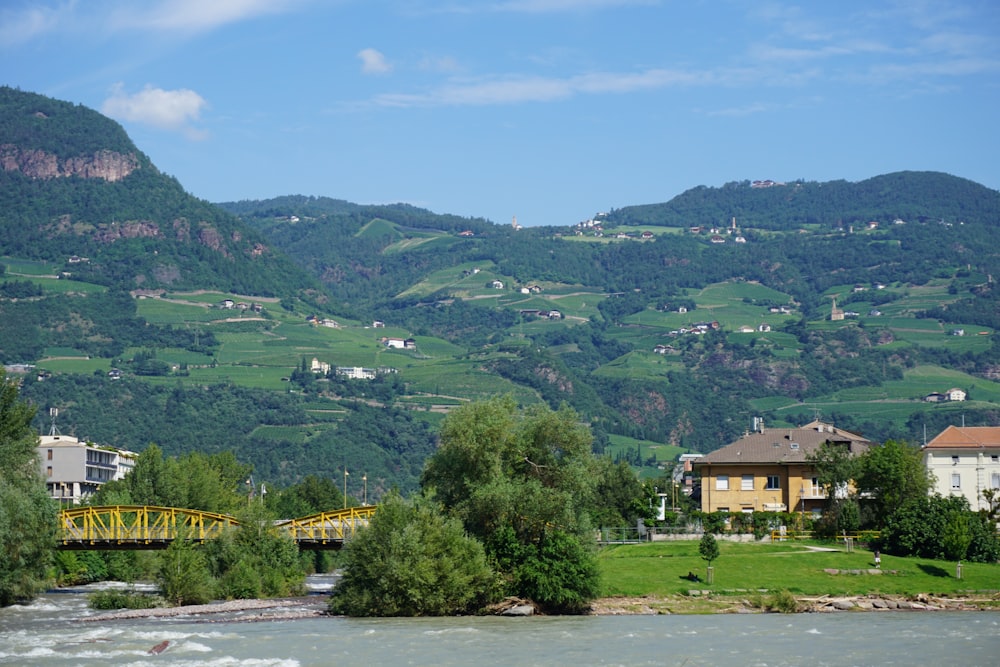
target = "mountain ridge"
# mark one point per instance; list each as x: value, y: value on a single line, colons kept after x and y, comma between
x: 657, y: 323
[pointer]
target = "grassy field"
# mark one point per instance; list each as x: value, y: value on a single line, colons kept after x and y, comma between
x: 662, y: 569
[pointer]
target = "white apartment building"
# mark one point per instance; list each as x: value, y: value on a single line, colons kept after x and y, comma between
x: 74, y: 470
x: 965, y: 461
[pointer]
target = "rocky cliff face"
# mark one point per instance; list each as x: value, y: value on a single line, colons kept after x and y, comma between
x: 109, y: 165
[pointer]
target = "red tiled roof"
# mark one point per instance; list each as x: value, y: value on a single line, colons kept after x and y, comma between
x: 965, y: 437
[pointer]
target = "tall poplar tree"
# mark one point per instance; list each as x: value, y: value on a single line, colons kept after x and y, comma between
x: 27, y: 514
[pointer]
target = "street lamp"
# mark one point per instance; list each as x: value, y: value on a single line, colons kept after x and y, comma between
x: 364, y: 478
x: 345, y: 488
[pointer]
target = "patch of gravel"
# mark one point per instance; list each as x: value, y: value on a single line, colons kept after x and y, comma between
x: 284, y: 608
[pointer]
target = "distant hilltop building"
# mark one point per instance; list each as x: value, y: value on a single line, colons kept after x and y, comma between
x: 515, y: 224
x: 836, y: 314
x: 764, y: 184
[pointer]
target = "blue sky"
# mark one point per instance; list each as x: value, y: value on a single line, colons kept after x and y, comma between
x: 548, y: 110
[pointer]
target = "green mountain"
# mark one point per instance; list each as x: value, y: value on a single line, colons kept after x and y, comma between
x: 146, y: 315
x: 76, y: 192
x: 912, y: 196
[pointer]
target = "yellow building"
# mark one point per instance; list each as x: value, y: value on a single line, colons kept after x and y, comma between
x: 768, y: 469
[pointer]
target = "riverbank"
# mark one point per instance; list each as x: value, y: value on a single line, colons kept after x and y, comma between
x: 696, y: 602
x: 709, y: 602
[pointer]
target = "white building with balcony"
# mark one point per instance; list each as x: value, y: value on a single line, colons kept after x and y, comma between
x: 74, y: 470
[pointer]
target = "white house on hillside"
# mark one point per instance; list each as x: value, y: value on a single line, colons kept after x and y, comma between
x: 965, y: 462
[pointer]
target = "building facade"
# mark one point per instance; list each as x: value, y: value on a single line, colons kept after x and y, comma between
x: 965, y: 461
x: 74, y: 470
x: 768, y: 469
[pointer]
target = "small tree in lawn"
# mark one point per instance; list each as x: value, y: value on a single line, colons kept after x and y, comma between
x: 709, y: 550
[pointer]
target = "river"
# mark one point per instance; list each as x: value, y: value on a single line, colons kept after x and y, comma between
x: 53, y: 631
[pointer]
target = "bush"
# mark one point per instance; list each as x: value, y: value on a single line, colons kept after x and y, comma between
x: 780, y: 601
x: 939, y: 528
x: 559, y: 574
x: 412, y: 561
x: 115, y: 599
x: 241, y: 582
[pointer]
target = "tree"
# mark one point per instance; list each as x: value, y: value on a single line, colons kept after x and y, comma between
x: 836, y: 468
x: 957, y: 534
x: 27, y: 514
x: 523, y: 482
x: 620, y: 498
x: 184, y: 577
x: 411, y: 560
x: 888, y: 477
x: 256, y: 559
x: 708, y: 548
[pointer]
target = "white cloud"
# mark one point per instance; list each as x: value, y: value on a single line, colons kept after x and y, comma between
x: 539, y: 6
x: 21, y: 26
x: 439, y: 64
x: 736, y: 112
x: 373, y: 62
x: 522, y: 6
x: 518, y: 89
x: 165, y: 109
x: 194, y: 15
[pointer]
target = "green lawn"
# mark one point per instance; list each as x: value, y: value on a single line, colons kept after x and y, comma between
x: 661, y: 568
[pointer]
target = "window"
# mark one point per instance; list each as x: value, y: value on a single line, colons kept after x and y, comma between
x: 773, y: 482
x: 50, y: 455
x: 956, y: 480
x: 995, y: 479
x: 746, y: 483
x: 722, y: 483
x: 954, y: 460
x: 48, y: 471
x: 995, y: 459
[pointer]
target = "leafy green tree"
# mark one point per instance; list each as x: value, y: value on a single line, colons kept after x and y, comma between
x: 620, y: 498
x: 413, y: 561
x: 957, y: 534
x: 530, y: 475
x: 708, y: 548
x: 184, y: 577
x: 27, y: 514
x: 888, y: 477
x: 258, y: 547
x: 836, y: 469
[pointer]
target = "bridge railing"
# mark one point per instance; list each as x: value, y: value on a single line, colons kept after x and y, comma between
x: 137, y: 524
x: 152, y: 527
x: 325, y: 528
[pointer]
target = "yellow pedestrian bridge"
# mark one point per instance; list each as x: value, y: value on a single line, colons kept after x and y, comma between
x: 149, y: 527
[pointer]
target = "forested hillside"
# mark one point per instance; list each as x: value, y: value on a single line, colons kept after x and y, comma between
x: 311, y: 334
x: 75, y: 191
x: 911, y: 196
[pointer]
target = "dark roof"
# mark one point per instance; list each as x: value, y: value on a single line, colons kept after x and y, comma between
x: 785, y: 445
